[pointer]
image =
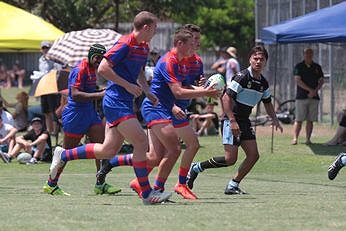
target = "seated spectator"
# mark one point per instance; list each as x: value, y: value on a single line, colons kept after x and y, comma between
x: 5, y: 79
x: 206, y: 123
x: 20, y: 115
x: 17, y: 75
x: 340, y: 135
x: 5, y: 115
x: 7, y: 139
x: 36, y: 141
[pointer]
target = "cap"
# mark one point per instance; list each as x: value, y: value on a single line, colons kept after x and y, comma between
x: 232, y: 51
x: 154, y: 51
x: 46, y: 44
x: 36, y: 119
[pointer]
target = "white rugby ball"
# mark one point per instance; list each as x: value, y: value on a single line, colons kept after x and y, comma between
x: 216, y: 80
x: 23, y: 157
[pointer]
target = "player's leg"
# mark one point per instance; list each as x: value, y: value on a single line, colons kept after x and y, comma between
x: 133, y: 132
x: 187, y: 134
x: 230, y: 143
x: 252, y: 155
x: 167, y: 136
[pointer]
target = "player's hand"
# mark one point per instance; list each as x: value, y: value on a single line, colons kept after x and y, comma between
x: 178, y: 113
x: 235, y: 129
x: 277, y: 125
x: 154, y: 100
x: 212, y: 92
x: 202, y: 81
x: 134, y: 90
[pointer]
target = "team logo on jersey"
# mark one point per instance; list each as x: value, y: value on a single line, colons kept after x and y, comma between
x: 261, y: 88
x: 249, y: 84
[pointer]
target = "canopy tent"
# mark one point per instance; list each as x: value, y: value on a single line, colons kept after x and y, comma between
x: 324, y: 25
x: 321, y: 26
x: 22, y: 31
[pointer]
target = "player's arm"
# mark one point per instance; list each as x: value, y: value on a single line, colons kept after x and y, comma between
x: 227, y: 104
x: 271, y: 112
x: 184, y: 93
x: 82, y: 96
x: 106, y: 70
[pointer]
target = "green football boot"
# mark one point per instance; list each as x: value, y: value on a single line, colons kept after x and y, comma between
x: 106, y: 189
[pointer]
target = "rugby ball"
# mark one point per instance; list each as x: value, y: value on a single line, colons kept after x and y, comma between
x: 216, y: 80
x: 23, y: 157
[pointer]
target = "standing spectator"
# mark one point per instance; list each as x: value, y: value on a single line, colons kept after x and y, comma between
x: 248, y: 88
x: 20, y: 114
x: 232, y: 65
x: 220, y: 63
x: 309, y: 79
x: 17, y: 75
x: 36, y: 142
x: 7, y: 139
x: 49, y: 102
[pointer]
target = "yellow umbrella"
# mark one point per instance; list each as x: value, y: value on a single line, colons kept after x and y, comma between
x: 20, y: 30
x: 52, y: 82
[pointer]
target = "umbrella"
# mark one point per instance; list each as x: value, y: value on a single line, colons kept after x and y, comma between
x: 52, y: 82
x: 74, y: 46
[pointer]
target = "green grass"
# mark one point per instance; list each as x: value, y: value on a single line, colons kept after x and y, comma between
x: 288, y: 190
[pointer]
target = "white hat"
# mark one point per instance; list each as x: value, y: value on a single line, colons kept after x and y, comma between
x: 232, y: 51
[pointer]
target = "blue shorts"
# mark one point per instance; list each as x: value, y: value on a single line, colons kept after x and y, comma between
x: 77, y: 121
x: 118, y: 112
x: 177, y: 123
x: 246, y: 132
x: 155, y: 114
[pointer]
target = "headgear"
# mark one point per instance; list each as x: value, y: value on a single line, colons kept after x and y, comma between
x: 96, y: 49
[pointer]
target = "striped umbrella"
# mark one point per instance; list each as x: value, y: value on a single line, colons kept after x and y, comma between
x: 74, y: 46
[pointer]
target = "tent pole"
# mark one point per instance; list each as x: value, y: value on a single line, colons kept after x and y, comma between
x: 274, y: 92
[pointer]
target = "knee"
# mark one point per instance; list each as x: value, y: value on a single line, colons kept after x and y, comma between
x: 231, y: 160
x: 194, y: 146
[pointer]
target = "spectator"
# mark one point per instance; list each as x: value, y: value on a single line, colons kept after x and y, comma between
x: 220, y: 63
x: 49, y: 102
x: 206, y: 123
x: 20, y: 114
x: 5, y: 115
x: 7, y: 139
x: 17, y: 75
x: 340, y: 135
x: 309, y: 79
x: 36, y: 141
x: 232, y: 65
x: 154, y: 56
x: 5, y: 78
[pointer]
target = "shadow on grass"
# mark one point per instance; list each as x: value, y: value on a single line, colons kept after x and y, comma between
x: 320, y: 149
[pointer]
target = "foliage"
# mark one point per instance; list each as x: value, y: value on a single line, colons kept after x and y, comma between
x: 223, y: 22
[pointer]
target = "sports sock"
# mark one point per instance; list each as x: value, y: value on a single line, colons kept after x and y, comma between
x: 215, y: 162
x: 233, y: 183
x: 159, y: 183
x: 343, y: 160
x: 183, y: 175
x: 141, y: 172
x: 121, y: 160
x: 81, y: 152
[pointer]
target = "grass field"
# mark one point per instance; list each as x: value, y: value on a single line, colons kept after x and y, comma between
x: 288, y: 190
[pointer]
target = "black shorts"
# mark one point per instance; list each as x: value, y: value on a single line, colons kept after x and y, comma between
x: 246, y: 132
x: 49, y: 103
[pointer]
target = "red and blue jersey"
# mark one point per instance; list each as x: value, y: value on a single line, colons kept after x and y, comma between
x: 82, y: 77
x: 194, y: 65
x: 128, y: 58
x: 168, y: 70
